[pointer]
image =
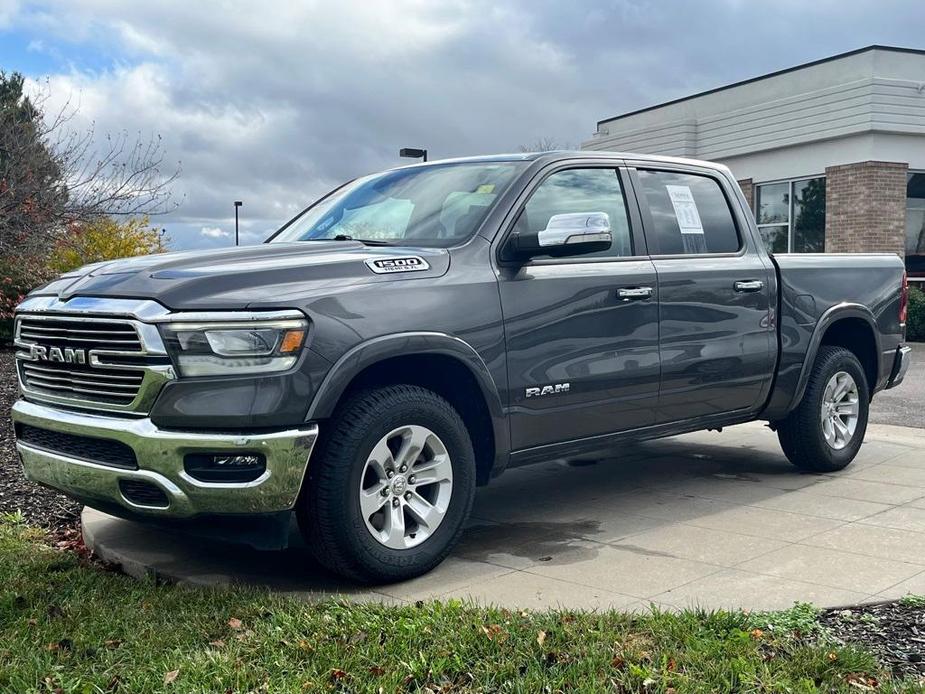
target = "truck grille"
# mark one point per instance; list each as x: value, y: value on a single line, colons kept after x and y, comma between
x: 64, y: 369
x: 80, y: 334
x: 100, y: 385
x: 91, y: 449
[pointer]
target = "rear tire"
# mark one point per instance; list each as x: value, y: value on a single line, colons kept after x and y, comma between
x: 826, y: 430
x: 366, y: 517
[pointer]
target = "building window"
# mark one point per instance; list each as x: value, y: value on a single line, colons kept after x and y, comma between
x: 791, y: 215
x: 915, y: 225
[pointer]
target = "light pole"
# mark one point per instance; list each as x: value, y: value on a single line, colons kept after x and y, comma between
x: 237, y: 204
x: 413, y: 153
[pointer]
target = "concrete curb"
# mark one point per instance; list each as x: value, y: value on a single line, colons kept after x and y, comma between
x: 129, y: 563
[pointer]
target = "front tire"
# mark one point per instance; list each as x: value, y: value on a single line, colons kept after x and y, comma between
x: 392, y: 485
x: 826, y: 430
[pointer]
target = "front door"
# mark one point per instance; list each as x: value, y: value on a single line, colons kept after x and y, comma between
x: 581, y: 332
x: 718, y: 345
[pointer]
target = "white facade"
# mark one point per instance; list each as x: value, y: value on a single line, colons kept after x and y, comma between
x: 862, y: 106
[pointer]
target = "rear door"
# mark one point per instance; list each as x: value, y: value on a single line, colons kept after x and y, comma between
x: 582, y: 331
x: 717, y: 338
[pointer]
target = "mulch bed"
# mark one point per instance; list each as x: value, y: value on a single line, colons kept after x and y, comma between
x: 41, y: 507
x: 894, y: 632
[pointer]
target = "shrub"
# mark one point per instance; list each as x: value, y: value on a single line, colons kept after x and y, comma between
x: 915, y: 322
x: 102, y: 239
x: 19, y: 274
x: 105, y: 239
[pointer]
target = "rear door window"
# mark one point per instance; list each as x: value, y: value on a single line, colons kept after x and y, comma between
x: 689, y: 214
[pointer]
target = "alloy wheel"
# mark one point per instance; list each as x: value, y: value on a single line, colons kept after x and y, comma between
x: 406, y: 486
x: 840, y: 410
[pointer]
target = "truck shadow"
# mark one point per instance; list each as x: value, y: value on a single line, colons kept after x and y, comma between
x: 556, y: 512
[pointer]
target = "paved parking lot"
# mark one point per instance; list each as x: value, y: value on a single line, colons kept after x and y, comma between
x: 712, y: 519
x: 905, y: 404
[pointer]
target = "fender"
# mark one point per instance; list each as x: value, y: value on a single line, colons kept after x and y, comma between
x: 384, y: 347
x: 830, y: 316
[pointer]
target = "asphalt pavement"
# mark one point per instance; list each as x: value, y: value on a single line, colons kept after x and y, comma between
x: 904, y: 405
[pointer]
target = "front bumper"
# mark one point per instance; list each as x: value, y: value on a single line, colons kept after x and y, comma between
x: 160, y: 457
x: 900, y: 366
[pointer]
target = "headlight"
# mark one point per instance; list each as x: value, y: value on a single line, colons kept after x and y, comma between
x: 229, y: 347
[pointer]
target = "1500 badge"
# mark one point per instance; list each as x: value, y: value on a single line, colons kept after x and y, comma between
x: 406, y: 263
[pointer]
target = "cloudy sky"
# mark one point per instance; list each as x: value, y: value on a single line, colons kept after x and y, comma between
x: 273, y: 102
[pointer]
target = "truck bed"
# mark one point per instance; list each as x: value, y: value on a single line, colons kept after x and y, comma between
x: 810, y: 287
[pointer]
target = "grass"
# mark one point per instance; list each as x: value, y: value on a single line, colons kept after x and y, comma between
x: 913, y: 601
x: 72, y: 627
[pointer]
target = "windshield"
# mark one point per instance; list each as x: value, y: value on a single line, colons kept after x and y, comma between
x: 437, y: 205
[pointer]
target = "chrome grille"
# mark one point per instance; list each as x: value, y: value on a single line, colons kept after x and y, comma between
x: 93, y: 362
x: 84, y: 334
x: 105, y: 385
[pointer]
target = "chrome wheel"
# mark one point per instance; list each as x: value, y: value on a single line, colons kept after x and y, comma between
x: 406, y: 486
x: 840, y: 408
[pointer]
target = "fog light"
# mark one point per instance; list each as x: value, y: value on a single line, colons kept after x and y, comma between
x: 225, y: 467
x: 236, y: 460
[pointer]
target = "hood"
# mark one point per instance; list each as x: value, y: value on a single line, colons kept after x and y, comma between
x: 245, y: 277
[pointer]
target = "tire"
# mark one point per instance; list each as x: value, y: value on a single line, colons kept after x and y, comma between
x: 803, y: 433
x: 351, y: 462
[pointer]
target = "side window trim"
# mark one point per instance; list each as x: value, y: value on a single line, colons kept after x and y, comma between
x: 649, y: 225
x: 637, y: 238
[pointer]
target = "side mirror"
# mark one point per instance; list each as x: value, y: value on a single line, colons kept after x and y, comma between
x: 574, y: 233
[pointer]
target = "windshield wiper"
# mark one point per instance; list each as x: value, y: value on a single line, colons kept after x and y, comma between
x: 365, y: 242
x: 344, y: 237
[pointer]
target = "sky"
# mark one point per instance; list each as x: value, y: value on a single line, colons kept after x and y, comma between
x: 274, y: 103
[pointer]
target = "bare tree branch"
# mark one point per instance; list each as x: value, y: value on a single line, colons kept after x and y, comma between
x: 53, y: 174
x: 546, y: 144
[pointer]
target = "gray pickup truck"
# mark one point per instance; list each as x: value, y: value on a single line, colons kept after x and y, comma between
x: 414, y: 333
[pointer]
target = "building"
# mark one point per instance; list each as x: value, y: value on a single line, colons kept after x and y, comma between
x: 830, y: 154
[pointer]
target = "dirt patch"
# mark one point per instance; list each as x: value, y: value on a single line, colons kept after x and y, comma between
x: 42, y: 507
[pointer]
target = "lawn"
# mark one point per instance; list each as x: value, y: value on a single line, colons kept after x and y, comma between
x: 68, y: 625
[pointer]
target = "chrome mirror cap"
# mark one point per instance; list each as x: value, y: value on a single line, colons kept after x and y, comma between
x: 576, y: 228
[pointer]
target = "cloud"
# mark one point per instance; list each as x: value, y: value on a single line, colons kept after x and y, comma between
x: 214, y: 233
x: 8, y: 11
x: 275, y: 102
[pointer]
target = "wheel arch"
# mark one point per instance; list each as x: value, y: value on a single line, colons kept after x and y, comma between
x: 443, y: 363
x: 853, y: 327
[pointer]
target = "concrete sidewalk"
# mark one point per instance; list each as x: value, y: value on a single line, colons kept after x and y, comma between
x: 710, y: 519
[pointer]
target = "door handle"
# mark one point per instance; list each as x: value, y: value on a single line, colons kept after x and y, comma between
x: 748, y: 285
x: 630, y: 293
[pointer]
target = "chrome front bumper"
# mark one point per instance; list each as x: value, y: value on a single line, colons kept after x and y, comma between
x: 160, y: 456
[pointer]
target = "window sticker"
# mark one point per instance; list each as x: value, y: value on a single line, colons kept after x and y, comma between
x: 685, y: 209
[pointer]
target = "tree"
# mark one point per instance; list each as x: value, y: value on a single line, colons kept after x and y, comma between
x: 105, y: 238
x: 32, y: 189
x: 53, y: 176
x: 546, y: 144
x: 82, y: 243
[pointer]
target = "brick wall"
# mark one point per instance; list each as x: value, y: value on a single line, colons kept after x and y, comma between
x: 865, y: 207
x: 748, y: 189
